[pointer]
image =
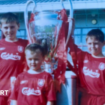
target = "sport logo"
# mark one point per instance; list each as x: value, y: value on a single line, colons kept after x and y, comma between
x: 28, y: 91
x: 86, y: 61
x: 20, y: 49
x: 41, y: 82
x: 2, y: 48
x: 8, y: 56
x: 23, y: 82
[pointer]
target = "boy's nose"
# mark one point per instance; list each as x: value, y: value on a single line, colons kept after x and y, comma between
x: 9, y: 29
x: 32, y: 61
x: 92, y: 45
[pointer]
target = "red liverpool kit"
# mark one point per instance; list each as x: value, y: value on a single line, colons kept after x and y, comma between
x: 11, y: 61
x: 34, y: 89
x: 91, y: 74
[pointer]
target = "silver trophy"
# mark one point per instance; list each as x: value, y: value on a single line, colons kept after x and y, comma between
x: 43, y: 28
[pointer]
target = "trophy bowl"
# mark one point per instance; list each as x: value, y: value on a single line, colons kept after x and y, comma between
x: 43, y: 28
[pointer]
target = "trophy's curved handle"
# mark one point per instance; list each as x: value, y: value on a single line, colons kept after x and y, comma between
x: 70, y: 23
x: 62, y: 3
x: 26, y: 13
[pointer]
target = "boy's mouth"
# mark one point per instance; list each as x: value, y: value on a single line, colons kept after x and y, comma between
x: 33, y: 65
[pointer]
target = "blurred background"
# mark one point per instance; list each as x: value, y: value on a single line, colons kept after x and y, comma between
x: 88, y: 14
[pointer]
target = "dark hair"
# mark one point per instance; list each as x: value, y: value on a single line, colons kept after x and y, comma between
x: 33, y: 47
x: 45, y: 46
x: 9, y: 17
x: 97, y: 33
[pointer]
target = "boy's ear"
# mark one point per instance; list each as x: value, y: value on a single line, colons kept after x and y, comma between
x: 104, y: 42
x: 18, y: 26
x: 0, y: 26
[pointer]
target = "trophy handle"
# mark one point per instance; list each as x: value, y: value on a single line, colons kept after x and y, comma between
x: 71, y: 22
x: 26, y: 14
x: 62, y: 3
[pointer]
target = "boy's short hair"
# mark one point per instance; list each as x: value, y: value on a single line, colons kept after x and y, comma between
x: 34, y: 47
x: 9, y: 17
x: 97, y: 33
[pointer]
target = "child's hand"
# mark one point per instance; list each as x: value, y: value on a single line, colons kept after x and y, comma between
x: 13, y: 102
x: 72, y: 24
x: 12, y: 81
x: 70, y: 19
x: 50, y: 103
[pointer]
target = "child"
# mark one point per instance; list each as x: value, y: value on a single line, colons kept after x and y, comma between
x: 90, y: 68
x: 34, y: 87
x: 11, y: 54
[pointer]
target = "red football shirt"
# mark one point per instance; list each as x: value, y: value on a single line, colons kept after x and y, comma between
x: 91, y: 73
x: 11, y: 61
x: 33, y: 89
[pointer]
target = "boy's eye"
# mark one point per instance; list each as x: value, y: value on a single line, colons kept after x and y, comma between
x: 29, y: 59
x: 6, y: 27
x: 36, y: 59
x: 33, y: 59
x: 96, y: 43
x: 89, y: 43
x: 12, y: 27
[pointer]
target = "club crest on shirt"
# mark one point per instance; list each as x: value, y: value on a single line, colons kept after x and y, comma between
x: 41, y: 82
x: 20, y: 49
x: 102, y: 66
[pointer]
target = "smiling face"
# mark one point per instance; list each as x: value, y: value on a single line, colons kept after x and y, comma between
x: 94, y: 46
x: 34, y: 59
x: 9, y: 30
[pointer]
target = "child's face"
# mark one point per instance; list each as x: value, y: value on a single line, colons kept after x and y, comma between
x: 9, y: 30
x: 94, y: 46
x: 34, y: 59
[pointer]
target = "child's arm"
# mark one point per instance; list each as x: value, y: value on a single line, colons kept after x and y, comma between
x: 13, y: 102
x: 50, y: 90
x: 75, y: 54
x: 50, y: 103
x: 14, y: 92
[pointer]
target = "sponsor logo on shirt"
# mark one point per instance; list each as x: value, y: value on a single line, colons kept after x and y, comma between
x: 20, y: 49
x: 2, y: 48
x: 28, y: 91
x: 102, y: 66
x: 11, y: 56
x: 23, y: 82
x: 93, y: 74
x: 41, y: 82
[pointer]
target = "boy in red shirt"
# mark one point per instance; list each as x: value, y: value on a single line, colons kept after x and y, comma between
x: 90, y: 68
x: 34, y: 87
x: 11, y: 54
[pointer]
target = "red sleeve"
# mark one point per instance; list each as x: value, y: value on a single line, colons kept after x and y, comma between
x: 24, y: 64
x: 76, y: 54
x: 15, y: 90
x: 25, y: 42
x: 73, y: 47
x: 50, y: 89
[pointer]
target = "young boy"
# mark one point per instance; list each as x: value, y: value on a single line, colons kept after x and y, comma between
x: 90, y: 68
x: 34, y: 87
x: 11, y: 54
